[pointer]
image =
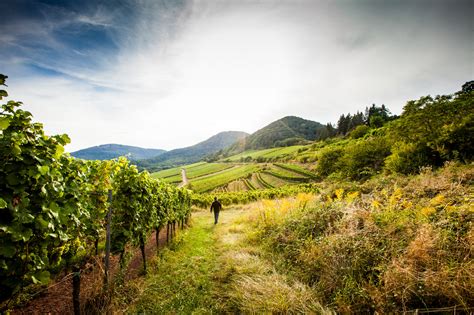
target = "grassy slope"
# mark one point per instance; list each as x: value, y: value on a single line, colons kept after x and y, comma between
x: 394, y: 243
x: 174, y: 171
x: 214, y: 269
x: 266, y: 153
x: 391, y: 244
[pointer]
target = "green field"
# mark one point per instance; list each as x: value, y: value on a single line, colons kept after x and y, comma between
x: 272, y: 181
x: 195, y: 170
x: 296, y: 169
x: 286, y: 173
x: 267, y: 153
x: 210, y: 182
x: 206, y: 177
x: 174, y: 171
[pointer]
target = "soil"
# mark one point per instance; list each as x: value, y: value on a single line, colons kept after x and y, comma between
x: 57, y: 299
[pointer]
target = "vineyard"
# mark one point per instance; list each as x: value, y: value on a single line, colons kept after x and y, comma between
x: 265, y: 154
x: 55, y: 210
x: 230, y: 177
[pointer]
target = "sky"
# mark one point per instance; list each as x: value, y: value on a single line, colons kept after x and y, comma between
x: 168, y: 74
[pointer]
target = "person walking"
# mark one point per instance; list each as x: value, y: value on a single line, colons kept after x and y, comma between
x: 216, y: 207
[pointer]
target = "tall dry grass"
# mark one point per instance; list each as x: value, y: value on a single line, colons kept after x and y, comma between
x: 392, y: 244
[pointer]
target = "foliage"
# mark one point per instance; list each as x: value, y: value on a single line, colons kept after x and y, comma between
x: 328, y: 160
x: 407, y: 158
x: 243, y: 197
x: 398, y: 243
x: 365, y: 158
x: 52, y: 206
x: 441, y: 126
x: 359, y: 131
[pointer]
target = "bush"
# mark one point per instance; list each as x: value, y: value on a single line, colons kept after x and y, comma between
x: 365, y: 158
x: 359, y: 131
x: 328, y: 160
x: 407, y: 158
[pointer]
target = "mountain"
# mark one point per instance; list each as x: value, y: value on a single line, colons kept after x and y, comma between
x: 289, y: 130
x: 111, y: 151
x: 193, y: 153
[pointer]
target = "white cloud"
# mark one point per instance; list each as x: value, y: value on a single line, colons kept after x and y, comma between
x: 184, y: 74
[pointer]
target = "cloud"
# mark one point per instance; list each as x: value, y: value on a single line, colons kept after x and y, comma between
x: 171, y: 73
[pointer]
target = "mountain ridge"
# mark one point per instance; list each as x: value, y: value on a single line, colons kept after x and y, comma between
x: 192, y: 153
x: 112, y: 150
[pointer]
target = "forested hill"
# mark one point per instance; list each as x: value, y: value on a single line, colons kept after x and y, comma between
x: 193, y: 153
x: 112, y: 151
x: 289, y: 130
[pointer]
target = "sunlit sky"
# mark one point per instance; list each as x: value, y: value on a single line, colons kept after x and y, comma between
x: 168, y: 74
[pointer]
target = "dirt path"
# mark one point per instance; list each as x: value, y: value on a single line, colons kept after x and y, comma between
x: 184, y: 181
x: 216, y: 269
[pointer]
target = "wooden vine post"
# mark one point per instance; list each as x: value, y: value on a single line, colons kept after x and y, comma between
x: 142, y: 248
x: 157, y: 238
x: 76, y: 290
x: 107, y: 243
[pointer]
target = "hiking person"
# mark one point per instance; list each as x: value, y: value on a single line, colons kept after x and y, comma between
x: 216, y: 206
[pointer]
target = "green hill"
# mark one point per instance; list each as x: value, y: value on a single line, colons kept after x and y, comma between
x: 112, y: 151
x: 193, y: 153
x: 287, y: 131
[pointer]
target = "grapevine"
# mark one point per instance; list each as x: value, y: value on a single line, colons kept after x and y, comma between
x: 53, y: 206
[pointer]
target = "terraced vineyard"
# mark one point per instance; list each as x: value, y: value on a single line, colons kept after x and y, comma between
x: 239, y: 176
x: 267, y: 153
x: 173, y: 175
x: 211, y: 182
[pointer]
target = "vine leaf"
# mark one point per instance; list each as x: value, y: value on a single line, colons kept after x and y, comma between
x: 3, y: 203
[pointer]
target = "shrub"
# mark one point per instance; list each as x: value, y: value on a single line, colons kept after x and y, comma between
x: 328, y: 160
x: 359, y: 131
x: 407, y: 158
x: 364, y: 159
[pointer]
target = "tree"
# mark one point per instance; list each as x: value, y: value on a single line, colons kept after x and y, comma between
x: 377, y: 116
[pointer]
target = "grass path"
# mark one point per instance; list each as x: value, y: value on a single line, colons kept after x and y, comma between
x: 215, y: 269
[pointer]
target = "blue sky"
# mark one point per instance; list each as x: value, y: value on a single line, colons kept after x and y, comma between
x: 168, y: 74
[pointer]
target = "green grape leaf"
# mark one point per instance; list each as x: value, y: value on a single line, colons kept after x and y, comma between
x: 43, y: 224
x: 12, y: 179
x: 59, y: 151
x: 17, y: 232
x: 3, y: 203
x: 41, y: 277
x: 7, y: 250
x: 44, y: 169
x: 65, y: 139
x: 4, y: 122
x: 16, y: 150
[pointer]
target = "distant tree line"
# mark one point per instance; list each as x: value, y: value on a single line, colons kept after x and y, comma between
x: 373, y: 117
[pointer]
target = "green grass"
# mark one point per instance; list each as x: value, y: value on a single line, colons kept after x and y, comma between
x: 181, y: 280
x: 273, y: 181
x: 214, y: 269
x: 173, y: 175
x: 174, y: 171
x: 205, y: 169
x: 287, y: 174
x: 297, y: 169
x: 266, y: 153
x: 256, y: 182
x: 208, y: 183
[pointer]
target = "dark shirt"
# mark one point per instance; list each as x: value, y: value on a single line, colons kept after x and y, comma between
x: 216, y: 206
